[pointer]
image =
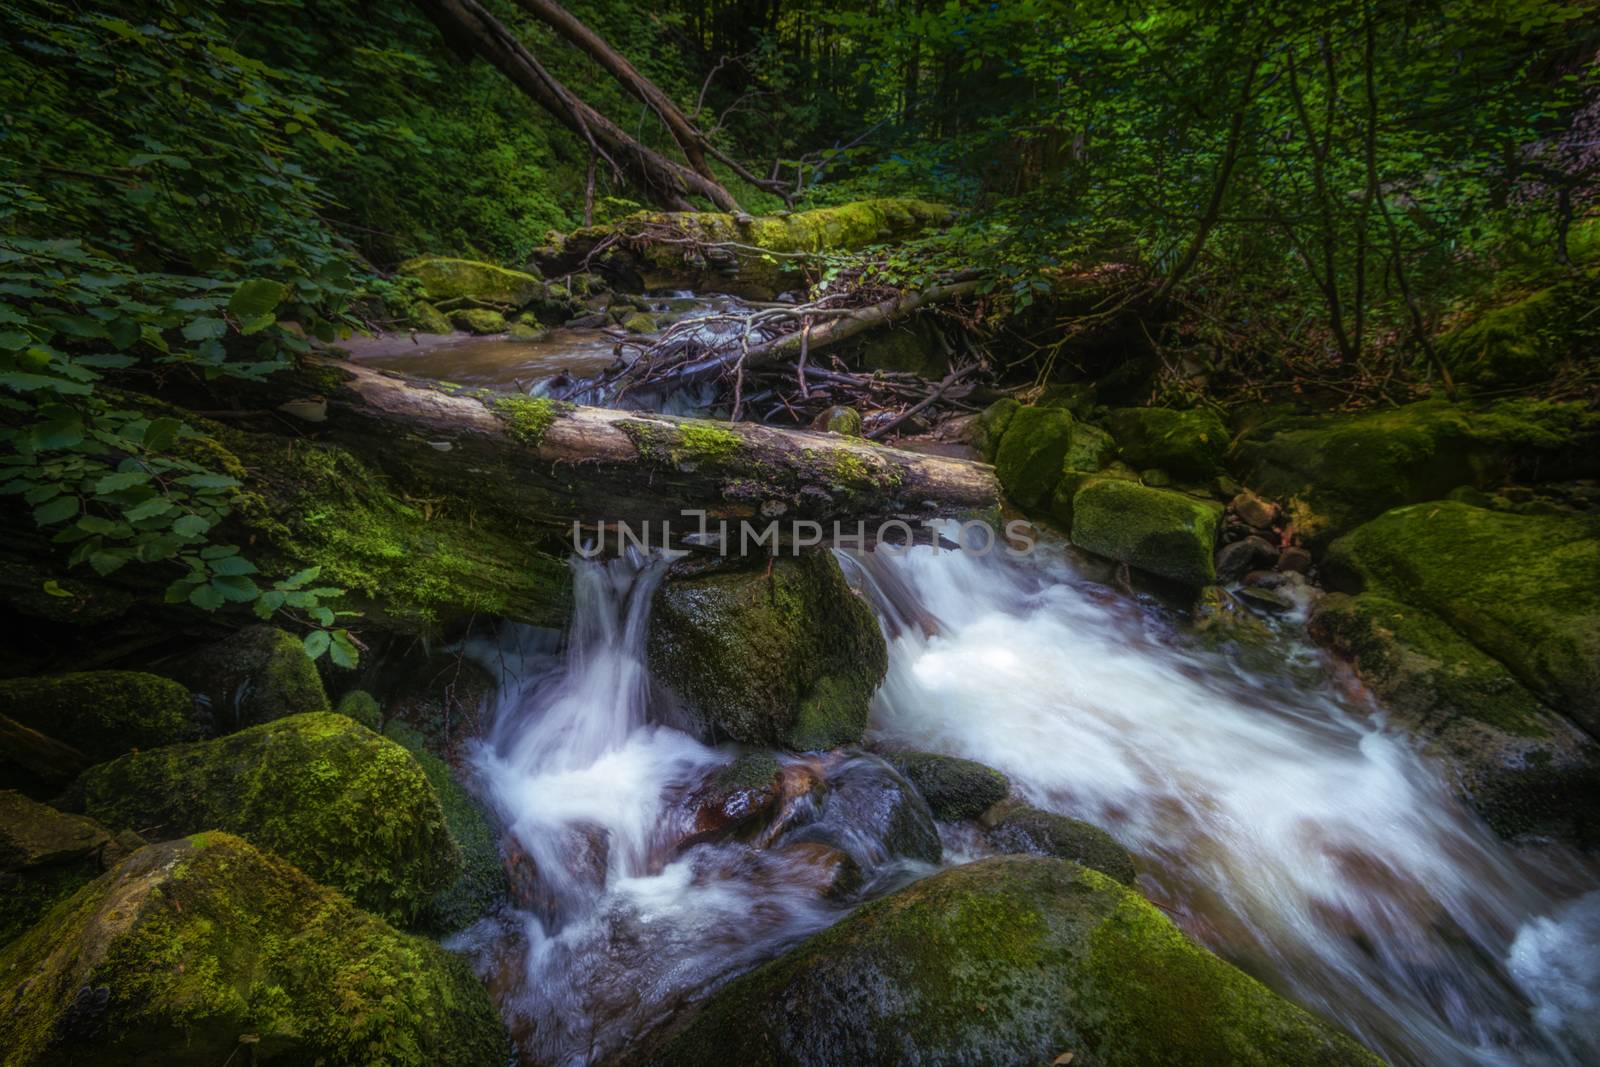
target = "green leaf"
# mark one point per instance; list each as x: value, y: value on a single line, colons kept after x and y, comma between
x: 237, y: 588
x: 113, y: 483
x: 343, y: 651
x: 317, y: 642
x: 63, y: 507
x: 160, y: 434
x: 299, y: 578
x: 156, y: 505
x: 205, y: 328
x: 190, y: 526
x: 268, y: 605
x: 232, y: 565
x: 256, y: 298
x: 208, y: 481
x: 323, y: 616
x: 206, y: 597
x: 107, y: 561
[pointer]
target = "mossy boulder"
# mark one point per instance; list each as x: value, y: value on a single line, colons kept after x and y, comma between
x: 788, y: 658
x: 1190, y: 445
x: 1159, y: 531
x: 1026, y: 829
x: 482, y: 881
x: 45, y: 855
x: 840, y: 419
x: 479, y: 321
x: 1337, y: 471
x: 255, y: 675
x: 1032, y: 450
x: 954, y: 788
x: 425, y: 318
x: 991, y: 424
x: 363, y: 707
x: 532, y: 333
x: 1016, y: 960
x: 350, y: 808
x: 205, y: 950
x: 1524, y: 589
x: 445, y: 279
x: 102, y: 713
x: 1526, y: 340
x: 638, y: 322
x: 1522, y: 766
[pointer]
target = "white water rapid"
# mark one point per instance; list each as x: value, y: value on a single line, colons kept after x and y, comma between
x: 1270, y: 813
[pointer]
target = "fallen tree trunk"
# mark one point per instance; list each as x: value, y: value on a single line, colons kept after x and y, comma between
x: 471, y: 27
x: 554, y: 464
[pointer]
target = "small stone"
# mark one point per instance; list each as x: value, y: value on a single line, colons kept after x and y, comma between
x: 1266, y: 599
x: 839, y: 419
x: 1294, y: 558
x: 1239, y: 557
x: 1253, y: 510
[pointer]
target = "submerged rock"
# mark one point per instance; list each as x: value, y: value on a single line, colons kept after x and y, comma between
x: 1521, y: 765
x: 1524, y: 589
x: 787, y: 659
x: 1013, y: 960
x: 205, y: 949
x: 954, y: 788
x: 352, y: 809
x: 102, y: 714
x: 256, y: 675
x: 1337, y: 471
x: 1044, y: 833
x: 1189, y: 445
x: 1156, y: 530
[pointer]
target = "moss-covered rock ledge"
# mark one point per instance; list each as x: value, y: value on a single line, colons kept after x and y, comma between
x: 1009, y: 961
x: 206, y: 951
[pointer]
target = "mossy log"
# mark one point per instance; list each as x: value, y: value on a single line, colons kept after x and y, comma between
x: 551, y: 464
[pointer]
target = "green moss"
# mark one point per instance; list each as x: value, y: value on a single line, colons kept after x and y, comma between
x: 1337, y: 471
x: 992, y: 423
x: 525, y: 331
x: 638, y: 322
x: 102, y: 713
x: 1526, y: 340
x: 352, y: 809
x: 790, y: 659
x: 479, y: 320
x: 482, y: 881
x: 415, y: 563
x: 954, y: 788
x: 527, y: 418
x: 1008, y: 961
x: 445, y: 279
x: 1027, y: 829
x: 1515, y: 760
x: 840, y: 419
x: 1525, y: 589
x: 45, y: 855
x: 1156, y: 530
x: 1187, y: 444
x: 194, y: 943
x: 426, y: 318
x: 253, y: 676
x: 361, y: 706
x: 1032, y: 449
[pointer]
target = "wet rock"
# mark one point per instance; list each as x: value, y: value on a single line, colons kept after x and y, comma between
x: 638, y: 322
x: 788, y: 659
x: 1334, y: 472
x: 954, y: 788
x: 578, y: 876
x: 1253, y: 510
x: 352, y: 809
x: 1029, y: 459
x: 1157, y: 530
x: 829, y: 871
x: 479, y: 321
x: 1242, y: 556
x: 736, y: 798
x: 1186, y: 444
x: 1016, y: 960
x: 802, y: 792
x: 839, y: 419
x: 871, y: 812
x: 1523, y: 589
x: 1519, y: 763
x: 1262, y: 598
x: 187, y: 949
x: 1220, y: 618
x: 523, y: 331
x: 102, y: 714
x: 425, y: 318
x: 592, y: 321
x: 1026, y: 829
x: 1294, y: 559
x: 256, y: 675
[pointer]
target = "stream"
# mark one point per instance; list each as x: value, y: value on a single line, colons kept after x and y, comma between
x: 1271, y: 813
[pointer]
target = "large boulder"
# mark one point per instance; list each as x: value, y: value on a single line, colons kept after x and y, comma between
x: 1014, y: 960
x: 787, y: 658
x: 350, y: 808
x: 1337, y: 471
x: 102, y: 713
x: 1526, y: 340
x: 1524, y: 589
x: 445, y: 280
x: 1031, y: 452
x: 45, y: 855
x: 1159, y: 531
x: 205, y: 951
x: 253, y: 676
x: 1191, y: 445
x: 1521, y: 765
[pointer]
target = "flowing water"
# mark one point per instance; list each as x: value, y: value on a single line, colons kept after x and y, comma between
x: 1270, y: 812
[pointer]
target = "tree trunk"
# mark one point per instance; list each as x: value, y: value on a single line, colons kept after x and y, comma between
x: 466, y: 24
